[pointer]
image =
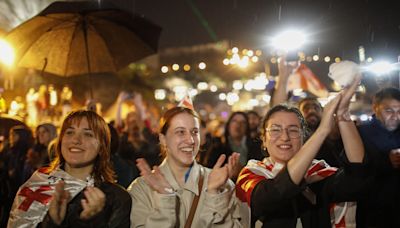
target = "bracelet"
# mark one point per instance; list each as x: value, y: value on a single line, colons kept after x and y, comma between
x: 345, y: 117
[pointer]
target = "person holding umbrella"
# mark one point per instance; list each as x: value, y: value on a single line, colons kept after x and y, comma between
x: 78, y: 189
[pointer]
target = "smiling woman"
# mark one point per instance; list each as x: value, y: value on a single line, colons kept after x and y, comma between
x: 290, y: 188
x: 179, y: 181
x: 78, y: 188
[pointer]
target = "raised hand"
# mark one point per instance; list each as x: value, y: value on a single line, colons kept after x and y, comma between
x: 327, y: 120
x: 218, y: 176
x: 234, y: 165
x: 347, y: 93
x: 154, y: 178
x: 93, y: 203
x: 285, y: 68
x: 58, y: 205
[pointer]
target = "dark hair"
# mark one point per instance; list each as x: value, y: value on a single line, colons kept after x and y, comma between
x: 313, y: 99
x: 387, y: 93
x: 167, y: 118
x: 102, y: 168
x: 252, y: 112
x: 227, y: 133
x: 290, y: 109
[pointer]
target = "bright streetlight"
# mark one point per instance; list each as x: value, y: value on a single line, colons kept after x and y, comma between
x: 289, y: 40
x: 7, y: 55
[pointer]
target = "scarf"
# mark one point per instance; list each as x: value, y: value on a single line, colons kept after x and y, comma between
x: 33, y: 198
x: 342, y: 214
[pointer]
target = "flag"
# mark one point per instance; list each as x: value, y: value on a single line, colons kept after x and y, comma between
x: 342, y: 214
x: 33, y: 198
x: 304, y: 78
x: 186, y: 102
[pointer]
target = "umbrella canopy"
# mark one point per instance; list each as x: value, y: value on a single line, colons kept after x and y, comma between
x: 75, y: 38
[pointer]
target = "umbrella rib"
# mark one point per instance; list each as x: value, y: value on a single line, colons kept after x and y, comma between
x: 69, y: 53
x: 108, y: 49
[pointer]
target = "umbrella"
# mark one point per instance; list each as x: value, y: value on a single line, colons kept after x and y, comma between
x: 76, y: 38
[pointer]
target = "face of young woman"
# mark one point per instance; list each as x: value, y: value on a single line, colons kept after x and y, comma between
x: 237, y: 126
x: 43, y: 136
x: 182, y: 139
x: 281, y: 146
x: 79, y: 145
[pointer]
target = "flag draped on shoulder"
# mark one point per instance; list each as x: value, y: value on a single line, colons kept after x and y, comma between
x: 304, y: 78
x: 33, y: 198
x: 256, y: 171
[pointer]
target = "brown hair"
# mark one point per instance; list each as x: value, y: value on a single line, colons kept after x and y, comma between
x: 168, y: 116
x: 102, y: 168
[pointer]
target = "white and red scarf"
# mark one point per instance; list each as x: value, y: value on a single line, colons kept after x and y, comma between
x: 33, y: 198
x: 342, y: 214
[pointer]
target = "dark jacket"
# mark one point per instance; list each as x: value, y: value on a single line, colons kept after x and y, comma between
x: 382, y: 206
x: 116, y: 211
x: 279, y: 202
x: 217, y: 149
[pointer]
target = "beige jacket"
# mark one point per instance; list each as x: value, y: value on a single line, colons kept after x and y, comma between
x: 153, y: 210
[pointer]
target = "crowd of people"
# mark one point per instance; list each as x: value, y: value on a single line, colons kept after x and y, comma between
x: 304, y: 166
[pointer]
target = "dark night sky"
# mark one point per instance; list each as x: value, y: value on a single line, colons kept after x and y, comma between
x: 335, y: 27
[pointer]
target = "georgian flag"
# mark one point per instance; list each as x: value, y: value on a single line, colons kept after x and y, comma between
x: 342, y: 214
x: 33, y: 198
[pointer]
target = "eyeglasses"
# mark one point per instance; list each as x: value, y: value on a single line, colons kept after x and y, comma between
x: 276, y: 131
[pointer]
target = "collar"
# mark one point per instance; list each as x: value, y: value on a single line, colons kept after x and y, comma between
x: 191, y: 183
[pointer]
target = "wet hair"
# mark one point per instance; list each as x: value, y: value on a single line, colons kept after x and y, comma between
x: 165, y: 121
x: 289, y: 109
x: 102, y: 167
x: 227, y: 133
x: 387, y: 93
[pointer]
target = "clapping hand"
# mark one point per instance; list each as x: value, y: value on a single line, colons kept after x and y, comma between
x: 58, y: 205
x: 93, y: 203
x: 347, y: 94
x: 220, y: 174
x: 154, y: 178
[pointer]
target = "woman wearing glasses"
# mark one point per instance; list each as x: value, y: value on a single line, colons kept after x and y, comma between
x: 292, y: 189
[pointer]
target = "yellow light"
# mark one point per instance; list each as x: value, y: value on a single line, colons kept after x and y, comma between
x: 7, y: 55
x: 337, y: 59
x: 254, y: 59
x: 273, y: 60
x: 235, y: 50
x: 175, y: 67
x: 202, y: 66
x: 258, y: 52
x: 315, y: 58
x: 164, y: 69
x: 327, y: 59
x: 244, y: 51
x: 186, y: 67
x: 226, y: 62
